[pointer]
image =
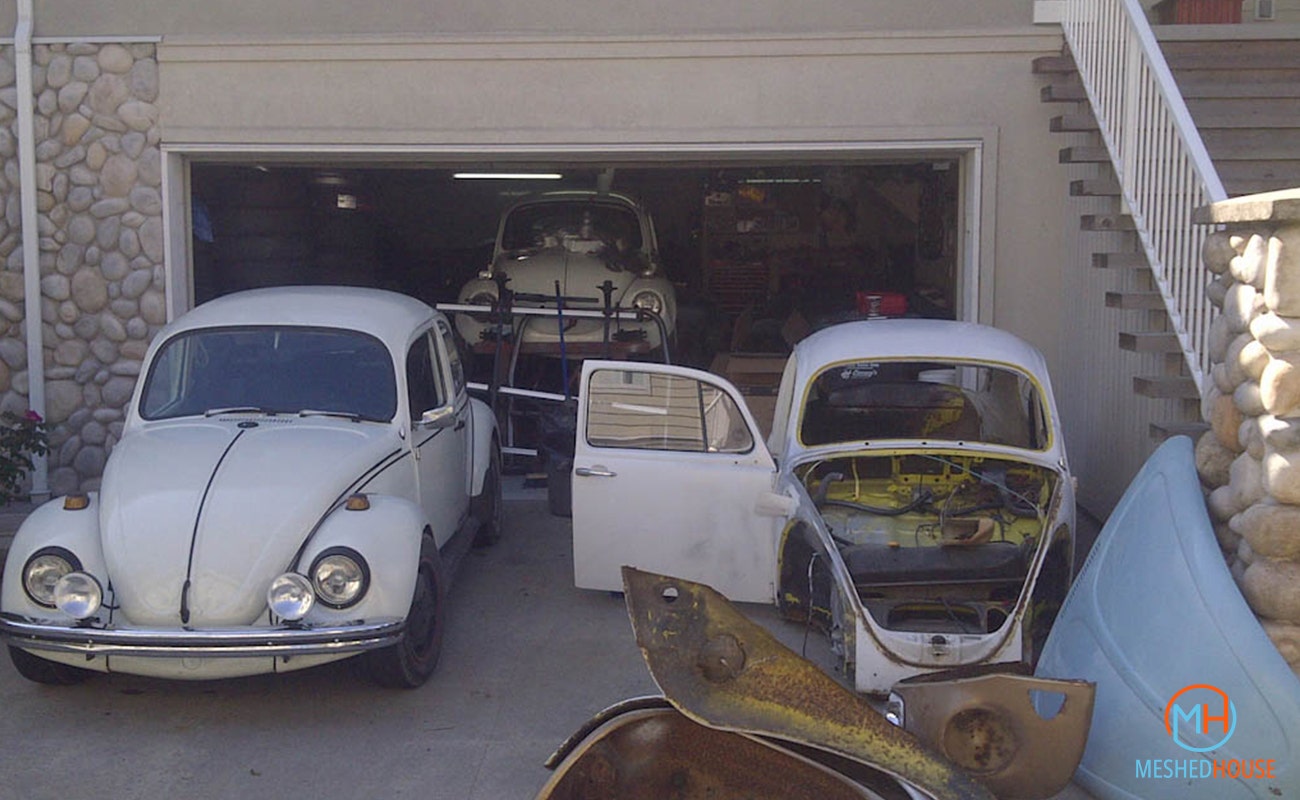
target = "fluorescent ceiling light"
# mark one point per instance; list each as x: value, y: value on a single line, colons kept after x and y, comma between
x: 509, y: 176
x: 761, y: 181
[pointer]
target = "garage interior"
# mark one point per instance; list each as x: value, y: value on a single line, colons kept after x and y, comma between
x: 760, y: 252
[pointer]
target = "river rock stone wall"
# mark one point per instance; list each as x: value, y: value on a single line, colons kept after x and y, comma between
x: 1251, y: 455
x: 98, y: 181
x: 13, y: 336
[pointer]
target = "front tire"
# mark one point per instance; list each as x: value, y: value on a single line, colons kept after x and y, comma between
x: 410, y: 662
x: 40, y: 670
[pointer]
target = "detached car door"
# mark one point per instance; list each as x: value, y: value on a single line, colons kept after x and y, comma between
x: 671, y: 475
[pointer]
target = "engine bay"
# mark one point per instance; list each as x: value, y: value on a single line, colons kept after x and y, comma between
x: 936, y: 542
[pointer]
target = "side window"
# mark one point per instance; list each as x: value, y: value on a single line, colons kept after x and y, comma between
x: 654, y: 411
x: 423, y: 385
x: 452, y: 348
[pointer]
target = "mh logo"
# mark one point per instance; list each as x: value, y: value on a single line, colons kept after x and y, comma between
x: 1215, y: 707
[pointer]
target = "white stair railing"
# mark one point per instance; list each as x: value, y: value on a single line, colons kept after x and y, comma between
x: 1158, y: 156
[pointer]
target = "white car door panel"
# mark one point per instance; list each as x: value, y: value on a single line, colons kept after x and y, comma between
x: 671, y: 475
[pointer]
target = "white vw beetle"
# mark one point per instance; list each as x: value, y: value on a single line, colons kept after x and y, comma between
x: 298, y: 472
x: 589, y: 244
x: 913, y: 497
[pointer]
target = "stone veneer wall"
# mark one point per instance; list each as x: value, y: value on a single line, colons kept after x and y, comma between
x: 1251, y: 456
x: 98, y: 176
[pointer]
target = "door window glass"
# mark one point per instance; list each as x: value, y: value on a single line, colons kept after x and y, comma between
x: 656, y: 411
x: 422, y: 383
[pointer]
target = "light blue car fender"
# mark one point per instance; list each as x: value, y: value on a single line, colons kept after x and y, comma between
x: 1154, y: 614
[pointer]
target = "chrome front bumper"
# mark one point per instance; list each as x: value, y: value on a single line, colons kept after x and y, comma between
x: 242, y: 642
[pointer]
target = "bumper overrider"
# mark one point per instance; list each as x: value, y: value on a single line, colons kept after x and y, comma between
x: 242, y: 642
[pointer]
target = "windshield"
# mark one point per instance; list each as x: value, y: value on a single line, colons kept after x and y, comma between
x: 273, y: 370
x: 577, y: 227
x: 935, y: 401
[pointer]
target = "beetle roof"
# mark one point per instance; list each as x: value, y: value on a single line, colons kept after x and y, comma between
x: 389, y: 316
x: 926, y: 339
x: 911, y: 339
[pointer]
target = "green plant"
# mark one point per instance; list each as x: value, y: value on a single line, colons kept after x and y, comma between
x: 22, y: 436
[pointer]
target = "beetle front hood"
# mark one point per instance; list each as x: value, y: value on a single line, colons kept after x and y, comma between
x: 225, y: 505
x: 580, y: 274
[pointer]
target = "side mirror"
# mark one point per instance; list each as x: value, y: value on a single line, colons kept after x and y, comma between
x: 443, y: 417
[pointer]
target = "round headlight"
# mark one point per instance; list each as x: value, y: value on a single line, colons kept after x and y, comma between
x: 340, y: 577
x: 43, y: 570
x: 649, y: 301
x: 78, y: 595
x: 481, y: 299
x: 290, y: 596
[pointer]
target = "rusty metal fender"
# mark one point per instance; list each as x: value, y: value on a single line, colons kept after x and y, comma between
x: 728, y: 673
x: 645, y: 749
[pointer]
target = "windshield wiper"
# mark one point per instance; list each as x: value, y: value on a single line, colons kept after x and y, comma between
x: 314, y: 412
x: 212, y: 412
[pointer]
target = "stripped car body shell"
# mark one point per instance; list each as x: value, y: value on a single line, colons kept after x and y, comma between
x: 913, y: 497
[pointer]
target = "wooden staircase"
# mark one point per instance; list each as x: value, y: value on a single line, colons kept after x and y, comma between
x: 1244, y: 96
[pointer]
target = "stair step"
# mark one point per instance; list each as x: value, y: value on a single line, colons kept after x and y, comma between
x: 1166, y: 387
x: 1095, y: 187
x: 1247, y: 83
x: 1053, y: 65
x: 1250, y: 112
x: 1241, y: 188
x: 1119, y: 261
x: 1266, y: 169
x: 1134, y: 301
x: 1251, y: 145
x: 1106, y: 222
x: 1082, y: 122
x: 1230, y: 55
x: 1063, y: 92
x: 1164, y: 430
x: 1150, y: 342
x: 1083, y: 155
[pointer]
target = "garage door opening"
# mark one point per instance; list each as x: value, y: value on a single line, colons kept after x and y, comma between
x: 760, y: 252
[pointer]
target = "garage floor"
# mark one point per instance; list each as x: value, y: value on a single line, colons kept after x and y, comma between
x: 527, y: 659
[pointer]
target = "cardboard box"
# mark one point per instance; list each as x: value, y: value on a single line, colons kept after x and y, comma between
x: 757, y: 376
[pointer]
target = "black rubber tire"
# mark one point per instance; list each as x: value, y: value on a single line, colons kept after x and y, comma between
x: 40, y: 670
x: 488, y: 506
x: 559, y: 486
x: 410, y: 662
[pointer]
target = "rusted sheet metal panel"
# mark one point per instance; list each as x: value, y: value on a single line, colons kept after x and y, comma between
x: 726, y: 672
x: 652, y: 753
x: 986, y: 721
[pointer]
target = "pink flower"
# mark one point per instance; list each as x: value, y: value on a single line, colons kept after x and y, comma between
x: 32, y: 416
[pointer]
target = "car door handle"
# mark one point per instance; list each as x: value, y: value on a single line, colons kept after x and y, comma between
x: 595, y: 472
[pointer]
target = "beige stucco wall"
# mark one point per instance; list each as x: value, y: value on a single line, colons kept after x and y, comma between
x: 456, y: 17
x: 602, y: 97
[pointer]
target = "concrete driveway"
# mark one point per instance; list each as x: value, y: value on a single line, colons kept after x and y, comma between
x: 527, y: 659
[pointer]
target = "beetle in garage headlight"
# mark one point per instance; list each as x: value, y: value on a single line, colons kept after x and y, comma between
x: 78, y: 595
x: 290, y: 596
x: 340, y: 577
x: 482, y: 299
x: 649, y: 301
x: 43, y: 570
